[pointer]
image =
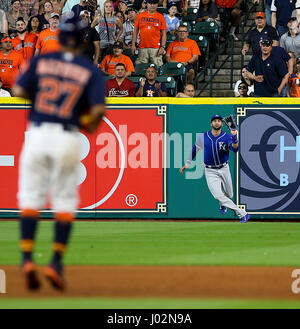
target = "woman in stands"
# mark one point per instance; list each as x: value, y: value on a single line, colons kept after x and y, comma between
x: 34, y: 25
x: 245, y: 80
x: 208, y: 11
x: 109, y: 27
x: 44, y: 18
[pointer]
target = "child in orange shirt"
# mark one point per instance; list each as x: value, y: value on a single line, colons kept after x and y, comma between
x: 293, y: 89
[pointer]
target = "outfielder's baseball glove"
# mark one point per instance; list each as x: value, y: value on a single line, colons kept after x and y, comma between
x: 230, y: 122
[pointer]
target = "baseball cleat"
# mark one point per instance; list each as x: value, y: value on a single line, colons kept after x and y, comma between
x: 32, y: 281
x: 54, y: 278
x: 245, y: 218
x: 223, y: 210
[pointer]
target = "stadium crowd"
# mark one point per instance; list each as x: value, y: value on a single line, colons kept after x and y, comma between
x: 124, y: 36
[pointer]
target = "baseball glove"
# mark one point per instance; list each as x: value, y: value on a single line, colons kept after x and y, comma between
x: 230, y: 122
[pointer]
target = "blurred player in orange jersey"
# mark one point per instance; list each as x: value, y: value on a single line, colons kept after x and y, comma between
x: 10, y: 63
x: 48, y: 39
x: 24, y: 43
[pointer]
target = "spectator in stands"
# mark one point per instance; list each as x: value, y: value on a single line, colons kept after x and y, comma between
x: 91, y: 39
x: 268, y: 11
x: 109, y: 62
x: 182, y: 4
x: 153, y: 35
x: 290, y: 41
x: 143, y: 6
x: 10, y: 64
x: 30, y: 7
x: 282, y: 12
x: 69, y: 4
x: 128, y: 28
x: 172, y: 20
x: 13, y: 15
x: 207, y: 11
x: 106, y: 26
x: 34, y: 25
x: 271, y: 73
x: 45, y: 17
x: 243, y: 90
x: 150, y: 87
x: 194, y: 3
x: 185, y: 51
x: 3, y: 23
x: 122, y: 7
x: 58, y: 5
x: 3, y: 92
x: 233, y: 9
x: 254, y: 35
x: 188, y: 92
x: 5, y: 5
x: 24, y: 43
x: 121, y: 17
x: 120, y: 86
x: 246, y: 80
x: 48, y: 39
x: 293, y: 89
x: 77, y: 9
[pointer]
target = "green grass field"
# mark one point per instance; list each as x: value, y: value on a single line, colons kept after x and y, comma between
x: 161, y: 243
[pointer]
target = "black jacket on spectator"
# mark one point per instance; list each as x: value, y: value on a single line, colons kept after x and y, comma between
x: 90, y: 35
x: 211, y: 12
x: 273, y: 69
x: 254, y: 36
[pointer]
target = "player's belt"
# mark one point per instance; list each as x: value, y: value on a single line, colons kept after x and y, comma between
x: 217, y: 167
x: 65, y: 126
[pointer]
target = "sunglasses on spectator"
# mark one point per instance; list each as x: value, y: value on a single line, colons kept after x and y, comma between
x: 242, y: 87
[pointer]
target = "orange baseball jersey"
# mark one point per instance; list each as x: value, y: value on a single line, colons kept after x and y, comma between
x: 183, y: 51
x: 150, y: 27
x: 109, y: 63
x: 9, y: 67
x: 226, y: 3
x: 294, y: 84
x: 25, y: 47
x: 48, y: 41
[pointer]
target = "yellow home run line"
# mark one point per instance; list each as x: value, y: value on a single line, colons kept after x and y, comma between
x: 185, y: 101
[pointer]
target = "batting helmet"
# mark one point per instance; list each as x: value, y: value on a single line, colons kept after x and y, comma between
x: 71, y: 30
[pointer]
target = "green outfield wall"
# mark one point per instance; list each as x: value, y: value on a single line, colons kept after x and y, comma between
x: 265, y: 172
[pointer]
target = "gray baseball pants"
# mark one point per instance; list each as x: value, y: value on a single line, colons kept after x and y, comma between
x: 220, y: 185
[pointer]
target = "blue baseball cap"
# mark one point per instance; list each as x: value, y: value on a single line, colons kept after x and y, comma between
x: 176, y: 4
x: 216, y: 116
x: 266, y: 40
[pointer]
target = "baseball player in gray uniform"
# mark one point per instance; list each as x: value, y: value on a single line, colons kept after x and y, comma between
x: 216, y: 145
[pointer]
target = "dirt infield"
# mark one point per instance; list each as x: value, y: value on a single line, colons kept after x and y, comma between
x: 164, y: 281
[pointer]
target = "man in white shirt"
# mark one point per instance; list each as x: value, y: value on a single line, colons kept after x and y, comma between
x: 128, y: 28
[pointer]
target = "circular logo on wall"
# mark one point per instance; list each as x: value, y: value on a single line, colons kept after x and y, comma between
x: 270, y: 160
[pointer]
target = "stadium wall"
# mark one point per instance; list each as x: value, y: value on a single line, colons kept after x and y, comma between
x: 130, y: 166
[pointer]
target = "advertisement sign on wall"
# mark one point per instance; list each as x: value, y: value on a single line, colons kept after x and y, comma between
x: 122, y: 163
x: 268, y: 174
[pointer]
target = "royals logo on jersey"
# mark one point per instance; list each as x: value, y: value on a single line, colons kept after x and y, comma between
x: 223, y: 146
